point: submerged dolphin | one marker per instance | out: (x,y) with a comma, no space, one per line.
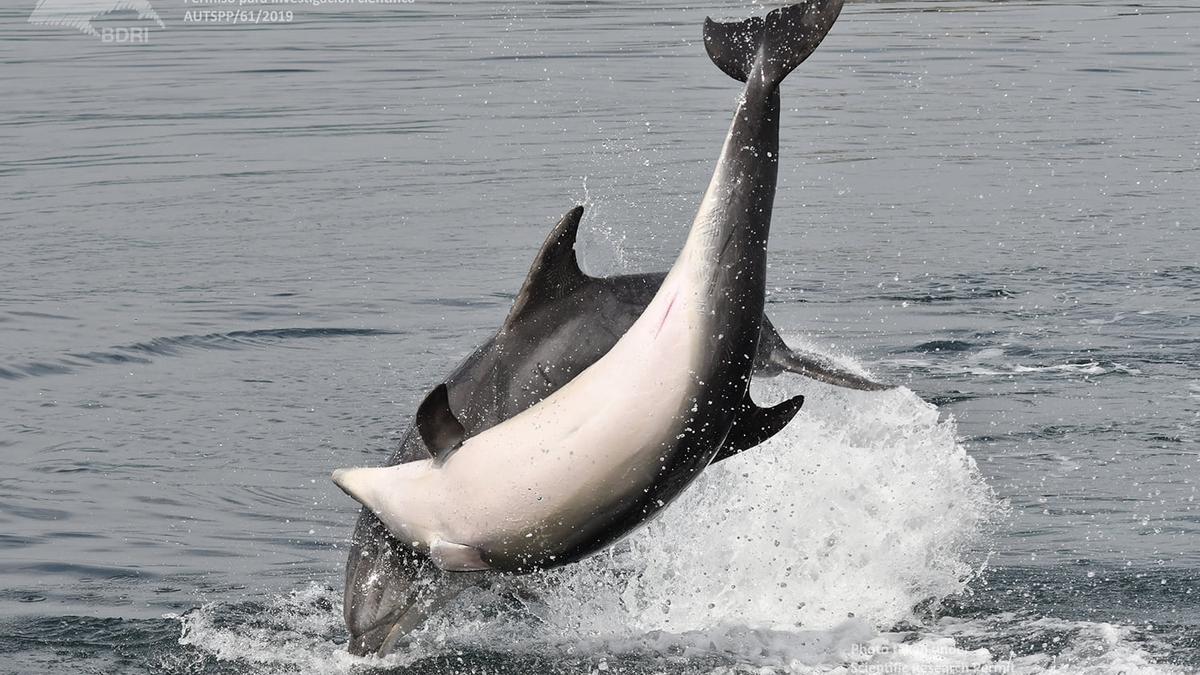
(706,318)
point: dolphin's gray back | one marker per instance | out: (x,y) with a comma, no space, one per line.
(528,360)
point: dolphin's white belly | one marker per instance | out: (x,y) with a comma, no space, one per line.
(598,438)
(524,488)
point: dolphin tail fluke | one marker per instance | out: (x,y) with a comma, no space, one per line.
(775,45)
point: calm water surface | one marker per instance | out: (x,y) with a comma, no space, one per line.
(236,257)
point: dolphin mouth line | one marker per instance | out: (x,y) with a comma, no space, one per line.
(363,645)
(391,638)
(390,620)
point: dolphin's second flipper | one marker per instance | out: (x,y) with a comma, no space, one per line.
(774,357)
(754,425)
(451,557)
(817,367)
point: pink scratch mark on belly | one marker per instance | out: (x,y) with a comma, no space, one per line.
(670,306)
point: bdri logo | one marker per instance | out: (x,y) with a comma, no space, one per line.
(79,14)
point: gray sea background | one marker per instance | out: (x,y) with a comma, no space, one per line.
(235,257)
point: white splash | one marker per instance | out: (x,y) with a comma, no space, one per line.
(800,556)
(863,507)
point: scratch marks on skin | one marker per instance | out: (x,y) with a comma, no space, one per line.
(670,306)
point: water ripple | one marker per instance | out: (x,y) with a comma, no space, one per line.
(141,352)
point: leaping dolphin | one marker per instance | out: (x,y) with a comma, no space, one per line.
(706,318)
(562,321)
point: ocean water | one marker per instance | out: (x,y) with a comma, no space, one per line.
(234,257)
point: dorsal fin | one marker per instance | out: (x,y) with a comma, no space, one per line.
(555,272)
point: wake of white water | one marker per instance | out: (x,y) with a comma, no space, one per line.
(864,506)
(1082,647)
(805,555)
(296,634)
(793,555)
(994,362)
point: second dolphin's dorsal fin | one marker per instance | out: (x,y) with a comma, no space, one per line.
(439,428)
(555,272)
